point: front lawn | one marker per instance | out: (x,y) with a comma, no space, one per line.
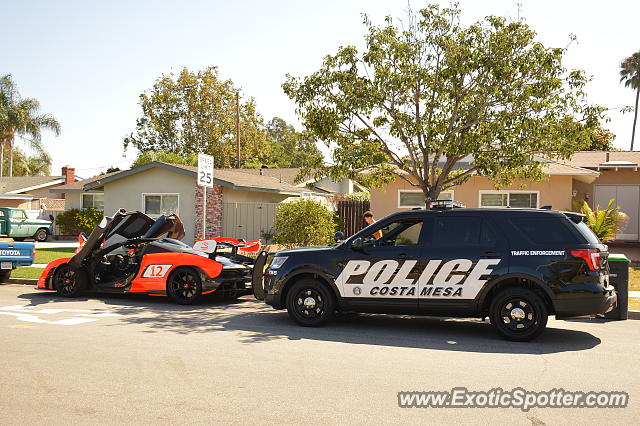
(27,272)
(47,254)
(634,279)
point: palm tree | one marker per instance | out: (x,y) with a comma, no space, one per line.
(21,117)
(630,74)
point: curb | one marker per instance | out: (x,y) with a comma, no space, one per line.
(634,315)
(25,281)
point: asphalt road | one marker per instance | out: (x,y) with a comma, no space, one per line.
(142,360)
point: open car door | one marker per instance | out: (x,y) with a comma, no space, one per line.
(127,225)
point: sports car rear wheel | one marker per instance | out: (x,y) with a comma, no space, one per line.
(184,286)
(69,281)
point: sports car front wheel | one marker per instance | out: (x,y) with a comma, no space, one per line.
(184,286)
(69,281)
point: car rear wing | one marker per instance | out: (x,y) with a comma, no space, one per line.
(257,279)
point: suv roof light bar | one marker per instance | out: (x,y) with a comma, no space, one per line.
(446,205)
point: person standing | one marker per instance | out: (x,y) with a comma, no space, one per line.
(368,217)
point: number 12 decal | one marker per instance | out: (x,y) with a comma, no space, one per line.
(156,271)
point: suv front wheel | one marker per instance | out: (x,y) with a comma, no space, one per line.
(518,314)
(310,303)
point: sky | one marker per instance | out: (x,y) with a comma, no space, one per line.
(88,61)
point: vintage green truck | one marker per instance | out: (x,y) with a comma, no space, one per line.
(14,223)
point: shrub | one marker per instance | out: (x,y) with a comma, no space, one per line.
(605,223)
(302,223)
(74,221)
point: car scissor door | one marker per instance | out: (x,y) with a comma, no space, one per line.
(379,272)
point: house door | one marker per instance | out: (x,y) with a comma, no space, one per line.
(628,200)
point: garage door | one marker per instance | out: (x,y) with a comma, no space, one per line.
(250,221)
(628,199)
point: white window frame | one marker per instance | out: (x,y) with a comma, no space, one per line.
(400,206)
(144,194)
(82,207)
(507,191)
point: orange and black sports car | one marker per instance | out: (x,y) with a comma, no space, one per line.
(133,253)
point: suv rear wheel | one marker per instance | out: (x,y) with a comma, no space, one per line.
(310,303)
(518,314)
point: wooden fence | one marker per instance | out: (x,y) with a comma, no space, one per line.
(350,212)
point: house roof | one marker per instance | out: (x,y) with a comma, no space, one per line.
(78,186)
(596,159)
(287,175)
(231,178)
(20,184)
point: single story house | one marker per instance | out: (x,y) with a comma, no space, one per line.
(239,205)
(321,186)
(618,178)
(593,176)
(34,192)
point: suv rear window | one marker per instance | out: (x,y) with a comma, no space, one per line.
(545,230)
(456,231)
(587,233)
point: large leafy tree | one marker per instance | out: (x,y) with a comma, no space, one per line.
(38,164)
(288,147)
(21,117)
(426,95)
(630,75)
(166,157)
(195,111)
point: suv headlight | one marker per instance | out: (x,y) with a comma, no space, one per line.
(277,262)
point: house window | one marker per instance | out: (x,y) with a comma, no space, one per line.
(412,198)
(95,201)
(157,204)
(509,199)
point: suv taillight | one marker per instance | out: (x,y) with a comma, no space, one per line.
(591,256)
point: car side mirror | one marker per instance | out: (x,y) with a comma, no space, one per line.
(338,236)
(357,244)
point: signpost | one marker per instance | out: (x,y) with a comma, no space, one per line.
(205,179)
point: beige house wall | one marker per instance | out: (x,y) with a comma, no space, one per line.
(230,195)
(44,193)
(127,193)
(555,191)
(16,204)
(607,177)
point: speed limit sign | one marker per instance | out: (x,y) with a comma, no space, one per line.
(205,170)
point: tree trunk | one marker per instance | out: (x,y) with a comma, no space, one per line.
(1,155)
(635,118)
(10,156)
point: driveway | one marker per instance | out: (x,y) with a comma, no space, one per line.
(139,359)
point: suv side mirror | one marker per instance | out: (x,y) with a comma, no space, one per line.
(357,244)
(338,236)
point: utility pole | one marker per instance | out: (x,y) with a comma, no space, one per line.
(238,125)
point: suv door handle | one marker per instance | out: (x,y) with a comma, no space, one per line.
(491,255)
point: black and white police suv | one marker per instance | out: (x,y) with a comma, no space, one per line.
(515,266)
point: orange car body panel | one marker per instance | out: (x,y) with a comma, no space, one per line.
(156,268)
(252,246)
(42,281)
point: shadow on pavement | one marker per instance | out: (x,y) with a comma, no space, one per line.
(258,322)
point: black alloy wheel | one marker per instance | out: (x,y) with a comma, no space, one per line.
(69,281)
(184,286)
